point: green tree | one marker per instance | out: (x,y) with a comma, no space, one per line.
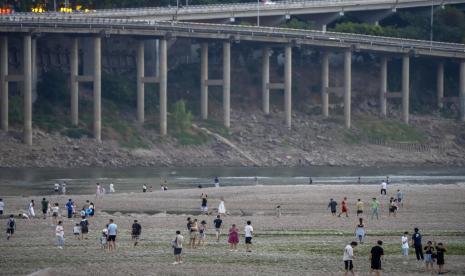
(182,117)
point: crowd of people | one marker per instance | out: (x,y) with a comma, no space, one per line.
(197,229)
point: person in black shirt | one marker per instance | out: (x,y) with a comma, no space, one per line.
(429,251)
(376,255)
(416,240)
(136,231)
(440,249)
(332,204)
(218,223)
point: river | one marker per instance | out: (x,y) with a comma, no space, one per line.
(39,181)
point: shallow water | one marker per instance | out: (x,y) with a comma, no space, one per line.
(28,181)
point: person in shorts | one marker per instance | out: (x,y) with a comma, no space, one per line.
(429,251)
(112,231)
(248,230)
(202,233)
(348,258)
(359,206)
(177,247)
(332,205)
(204,205)
(376,256)
(194,233)
(400,196)
(55,213)
(77,231)
(136,231)
(344,208)
(218,222)
(440,250)
(10,227)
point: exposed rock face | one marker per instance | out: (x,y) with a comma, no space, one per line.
(312,141)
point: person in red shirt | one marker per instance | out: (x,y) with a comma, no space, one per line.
(344,208)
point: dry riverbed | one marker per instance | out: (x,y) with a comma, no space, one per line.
(305,240)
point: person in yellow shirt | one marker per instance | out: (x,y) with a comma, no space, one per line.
(359,207)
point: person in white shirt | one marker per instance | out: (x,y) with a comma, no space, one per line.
(2,207)
(112,188)
(248,230)
(30,210)
(383,187)
(60,234)
(56,187)
(348,258)
(404,245)
(177,246)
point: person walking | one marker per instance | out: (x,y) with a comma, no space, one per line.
(202,233)
(60,234)
(69,208)
(248,230)
(30,209)
(332,205)
(84,224)
(233,238)
(400,197)
(98,191)
(112,188)
(2,207)
(177,246)
(63,188)
(383,187)
(44,205)
(136,231)
(374,208)
(217,182)
(360,231)
(55,213)
(112,232)
(204,205)
(10,227)
(416,241)
(348,258)
(221,207)
(359,207)
(344,208)
(376,256)
(218,222)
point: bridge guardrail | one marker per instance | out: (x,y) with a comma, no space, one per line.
(244,30)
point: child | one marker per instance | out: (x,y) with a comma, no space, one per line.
(429,251)
(77,231)
(60,234)
(10,227)
(103,238)
(440,249)
(405,246)
(203,232)
(84,227)
(55,213)
(233,238)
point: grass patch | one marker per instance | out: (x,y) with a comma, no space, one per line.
(191,137)
(373,129)
(124,132)
(216,126)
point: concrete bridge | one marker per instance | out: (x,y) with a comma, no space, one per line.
(32,28)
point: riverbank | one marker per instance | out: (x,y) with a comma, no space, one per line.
(305,240)
(255,140)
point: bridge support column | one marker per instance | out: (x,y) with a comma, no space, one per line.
(288,85)
(74,62)
(383,87)
(34,66)
(4,82)
(203,80)
(163,86)
(227,83)
(462,90)
(97,89)
(266,80)
(27,85)
(140,83)
(347,86)
(405,88)
(325,84)
(440,84)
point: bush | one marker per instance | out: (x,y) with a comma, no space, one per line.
(182,117)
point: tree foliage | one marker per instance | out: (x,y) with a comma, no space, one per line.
(182,117)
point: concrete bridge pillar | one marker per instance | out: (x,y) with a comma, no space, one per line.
(34,66)
(383,87)
(97,89)
(405,88)
(325,84)
(140,83)
(288,85)
(4,82)
(203,80)
(347,86)
(440,83)
(27,86)
(227,83)
(462,91)
(266,80)
(74,63)
(163,86)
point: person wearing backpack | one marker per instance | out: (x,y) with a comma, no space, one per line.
(10,227)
